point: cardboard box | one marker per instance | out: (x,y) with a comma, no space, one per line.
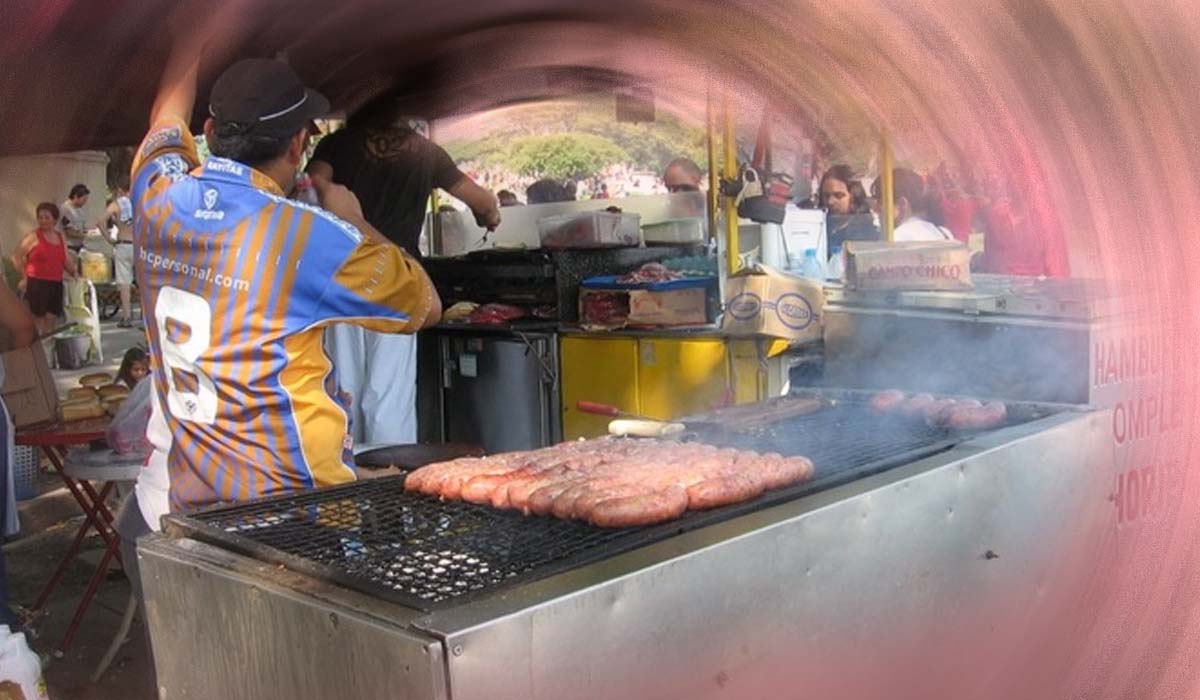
(765,301)
(646,307)
(909,266)
(29,390)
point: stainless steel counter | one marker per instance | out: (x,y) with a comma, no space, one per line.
(955,562)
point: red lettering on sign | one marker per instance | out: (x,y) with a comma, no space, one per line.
(950,272)
(1141,493)
(1139,418)
(1124,359)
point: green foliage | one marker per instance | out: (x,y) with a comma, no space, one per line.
(484,150)
(570,156)
(590,122)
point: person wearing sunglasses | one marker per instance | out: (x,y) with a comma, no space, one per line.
(682,175)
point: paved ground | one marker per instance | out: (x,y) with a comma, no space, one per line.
(48,524)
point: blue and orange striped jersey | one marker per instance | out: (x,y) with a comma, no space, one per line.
(237,284)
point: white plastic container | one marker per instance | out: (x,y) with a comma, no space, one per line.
(20,668)
(836,270)
(592,229)
(675,231)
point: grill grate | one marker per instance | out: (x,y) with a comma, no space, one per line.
(374,537)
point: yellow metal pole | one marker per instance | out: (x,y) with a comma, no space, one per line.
(435,221)
(714,176)
(887,207)
(731,172)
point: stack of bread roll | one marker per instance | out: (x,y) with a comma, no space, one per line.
(96,397)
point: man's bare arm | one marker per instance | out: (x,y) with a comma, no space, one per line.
(482,202)
(197,27)
(177,89)
(16,318)
(320,169)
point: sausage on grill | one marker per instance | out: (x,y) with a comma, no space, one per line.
(612,483)
(886,401)
(914,406)
(976,417)
(634,511)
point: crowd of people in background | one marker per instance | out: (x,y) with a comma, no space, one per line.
(1019,237)
(619,180)
(944,205)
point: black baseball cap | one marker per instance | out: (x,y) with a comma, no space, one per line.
(264,96)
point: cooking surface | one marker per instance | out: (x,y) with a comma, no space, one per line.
(374,537)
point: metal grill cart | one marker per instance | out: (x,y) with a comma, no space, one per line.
(1011,337)
(366,591)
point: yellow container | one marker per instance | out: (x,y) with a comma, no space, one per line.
(95,266)
(656,376)
(600,369)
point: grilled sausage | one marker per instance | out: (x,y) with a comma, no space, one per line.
(886,401)
(937,413)
(968,417)
(994,415)
(914,406)
(787,471)
(634,511)
(612,483)
(723,491)
(541,502)
(479,489)
(583,506)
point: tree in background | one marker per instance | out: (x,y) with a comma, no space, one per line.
(569,156)
(647,146)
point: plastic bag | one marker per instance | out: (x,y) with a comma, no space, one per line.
(127,431)
(20,668)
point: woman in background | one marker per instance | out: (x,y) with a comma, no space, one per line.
(43,261)
(847,208)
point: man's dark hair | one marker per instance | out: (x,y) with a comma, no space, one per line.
(231,141)
(687,165)
(78,191)
(381,112)
(911,186)
(546,190)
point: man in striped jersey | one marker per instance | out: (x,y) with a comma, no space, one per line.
(238,284)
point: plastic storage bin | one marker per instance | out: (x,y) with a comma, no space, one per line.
(71,350)
(593,229)
(25,465)
(675,231)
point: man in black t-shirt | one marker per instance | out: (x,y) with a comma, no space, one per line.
(392,170)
